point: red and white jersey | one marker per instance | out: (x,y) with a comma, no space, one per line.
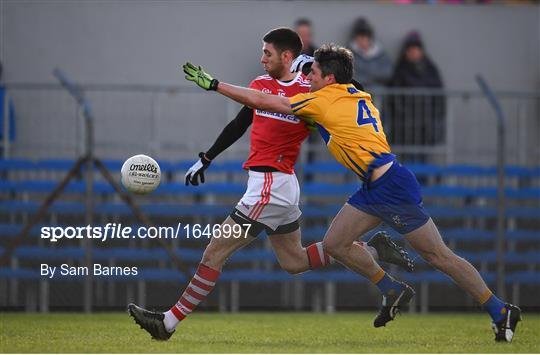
(276,137)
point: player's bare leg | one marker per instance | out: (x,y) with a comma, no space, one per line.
(339,243)
(162,325)
(290,253)
(220,249)
(339,240)
(295,259)
(427,241)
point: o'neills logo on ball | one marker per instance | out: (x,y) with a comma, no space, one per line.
(143,167)
(140,174)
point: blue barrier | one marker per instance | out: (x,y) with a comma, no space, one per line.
(17,165)
(19,274)
(438,277)
(310,189)
(468,235)
(170,275)
(161,275)
(523,277)
(235,189)
(55,164)
(40,253)
(333,275)
(324,167)
(245,255)
(235,166)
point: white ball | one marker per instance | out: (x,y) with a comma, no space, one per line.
(141,174)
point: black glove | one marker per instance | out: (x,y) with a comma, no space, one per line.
(197,170)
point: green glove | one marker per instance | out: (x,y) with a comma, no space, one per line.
(310,124)
(311,127)
(200,77)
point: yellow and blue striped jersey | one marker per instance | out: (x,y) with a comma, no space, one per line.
(349,124)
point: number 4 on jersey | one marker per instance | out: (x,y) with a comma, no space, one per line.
(364,115)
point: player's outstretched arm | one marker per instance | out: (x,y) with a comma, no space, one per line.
(256,99)
(249,97)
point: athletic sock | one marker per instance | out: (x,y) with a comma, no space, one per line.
(317,257)
(198,289)
(386,283)
(494,306)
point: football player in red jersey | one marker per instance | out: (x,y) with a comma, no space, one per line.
(271,200)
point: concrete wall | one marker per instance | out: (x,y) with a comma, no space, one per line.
(145,42)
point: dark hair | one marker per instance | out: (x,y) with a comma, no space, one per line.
(302,21)
(335,60)
(361,27)
(284,39)
(413,39)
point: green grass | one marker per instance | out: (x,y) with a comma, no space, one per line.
(264,333)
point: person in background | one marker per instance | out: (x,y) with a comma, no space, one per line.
(372,66)
(416,119)
(305,30)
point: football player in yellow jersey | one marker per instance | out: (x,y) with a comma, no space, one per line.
(352,130)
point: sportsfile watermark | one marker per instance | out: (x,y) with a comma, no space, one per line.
(111,231)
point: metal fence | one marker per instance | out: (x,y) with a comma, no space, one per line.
(174,122)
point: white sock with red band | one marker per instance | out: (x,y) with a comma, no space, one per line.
(317,257)
(198,289)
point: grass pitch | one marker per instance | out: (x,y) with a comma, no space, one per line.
(264,333)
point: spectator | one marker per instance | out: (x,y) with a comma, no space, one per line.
(11,115)
(305,31)
(372,66)
(414,68)
(416,119)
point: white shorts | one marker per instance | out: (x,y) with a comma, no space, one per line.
(271,199)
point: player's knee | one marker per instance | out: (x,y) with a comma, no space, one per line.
(440,259)
(213,258)
(334,248)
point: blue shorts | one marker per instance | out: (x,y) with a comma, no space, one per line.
(395,198)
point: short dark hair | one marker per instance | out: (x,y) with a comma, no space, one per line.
(284,39)
(302,21)
(362,27)
(335,60)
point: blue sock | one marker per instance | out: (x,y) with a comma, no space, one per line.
(495,307)
(388,285)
